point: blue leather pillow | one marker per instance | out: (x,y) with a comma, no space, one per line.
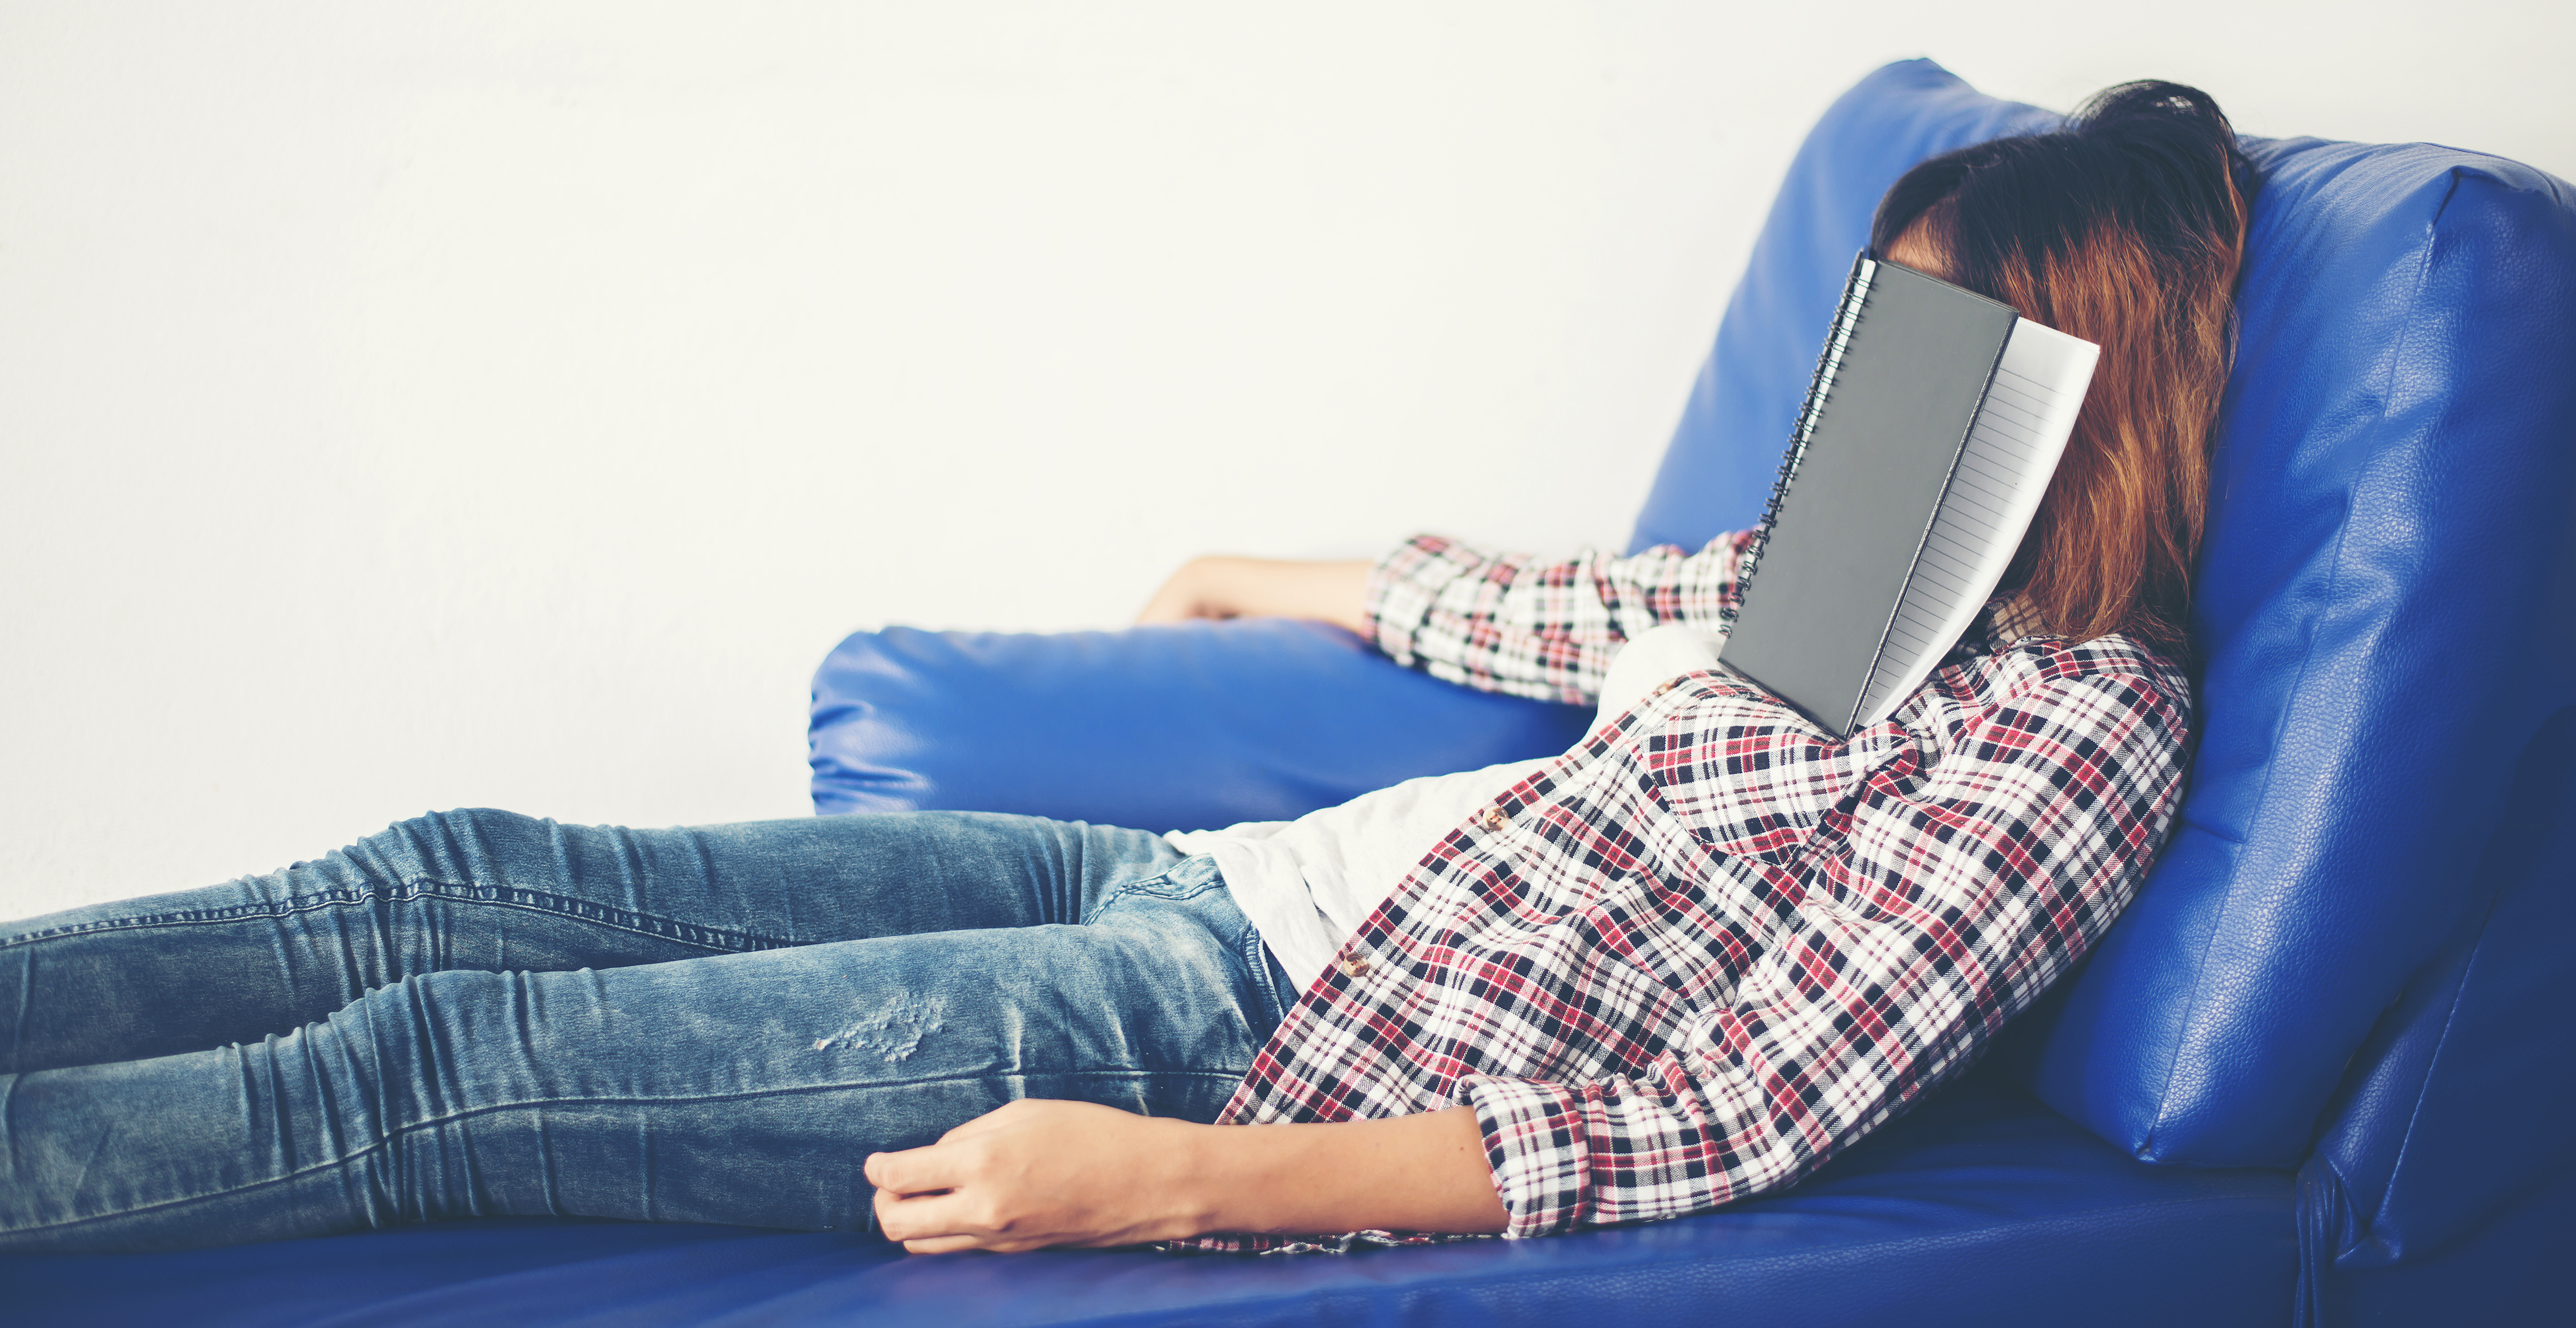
(2386,553)
(1162,728)
(1719,467)
(2379,598)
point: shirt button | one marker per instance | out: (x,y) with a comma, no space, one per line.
(1352,965)
(1667,685)
(1492,818)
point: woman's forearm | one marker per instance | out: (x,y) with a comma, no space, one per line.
(1036,1173)
(1411,1173)
(1228,587)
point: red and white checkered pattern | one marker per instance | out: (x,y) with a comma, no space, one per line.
(1710,947)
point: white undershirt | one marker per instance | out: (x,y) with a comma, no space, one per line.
(1309,883)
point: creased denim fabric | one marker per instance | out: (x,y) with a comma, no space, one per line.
(478,1013)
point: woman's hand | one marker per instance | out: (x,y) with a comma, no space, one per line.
(1221,587)
(1037,1173)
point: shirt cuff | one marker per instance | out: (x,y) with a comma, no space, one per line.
(1538,1143)
(1403,587)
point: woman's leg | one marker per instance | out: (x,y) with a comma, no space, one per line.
(742,1088)
(497,892)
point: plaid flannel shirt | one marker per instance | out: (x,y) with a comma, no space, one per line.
(1711,946)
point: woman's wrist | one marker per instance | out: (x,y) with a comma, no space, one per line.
(1234,1180)
(1423,1173)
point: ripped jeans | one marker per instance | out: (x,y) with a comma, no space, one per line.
(480,1013)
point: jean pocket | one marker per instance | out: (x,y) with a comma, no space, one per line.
(1186,881)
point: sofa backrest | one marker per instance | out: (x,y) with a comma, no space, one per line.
(1719,467)
(2382,601)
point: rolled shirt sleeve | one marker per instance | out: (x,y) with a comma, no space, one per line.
(1511,623)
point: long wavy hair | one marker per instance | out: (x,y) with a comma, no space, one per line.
(2125,227)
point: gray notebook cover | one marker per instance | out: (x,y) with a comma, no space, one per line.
(1905,369)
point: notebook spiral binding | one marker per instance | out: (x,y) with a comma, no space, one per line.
(1819,389)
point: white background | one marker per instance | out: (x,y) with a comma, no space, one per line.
(409,406)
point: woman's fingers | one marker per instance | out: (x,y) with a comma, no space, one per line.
(1036,1173)
(934,1218)
(942,1245)
(1225,587)
(951,1220)
(912,1171)
(934,1168)
(1180,598)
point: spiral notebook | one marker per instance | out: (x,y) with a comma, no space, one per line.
(1929,434)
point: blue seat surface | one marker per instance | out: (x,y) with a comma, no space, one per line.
(1981,1207)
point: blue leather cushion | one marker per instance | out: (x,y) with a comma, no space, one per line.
(2433,1189)
(1162,728)
(2390,516)
(2390,524)
(1982,1208)
(1719,467)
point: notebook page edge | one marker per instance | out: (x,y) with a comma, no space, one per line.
(2064,364)
(1860,706)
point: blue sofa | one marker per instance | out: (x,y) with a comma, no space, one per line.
(2316,1075)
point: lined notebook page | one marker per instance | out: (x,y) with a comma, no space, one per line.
(2004,470)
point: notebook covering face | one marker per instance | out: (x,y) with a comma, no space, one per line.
(1935,421)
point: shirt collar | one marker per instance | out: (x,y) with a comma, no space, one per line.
(2004,620)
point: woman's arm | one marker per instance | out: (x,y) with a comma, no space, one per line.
(1495,622)
(1039,1173)
(1223,587)
(1540,628)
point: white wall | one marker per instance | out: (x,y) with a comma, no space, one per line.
(413,406)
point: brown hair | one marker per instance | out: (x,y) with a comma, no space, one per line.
(2126,227)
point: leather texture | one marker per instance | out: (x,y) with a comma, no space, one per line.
(2508,1274)
(2390,519)
(1185,727)
(1982,1207)
(2434,1192)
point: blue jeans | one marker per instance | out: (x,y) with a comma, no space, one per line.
(478,1013)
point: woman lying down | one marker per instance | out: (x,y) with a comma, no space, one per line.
(1685,962)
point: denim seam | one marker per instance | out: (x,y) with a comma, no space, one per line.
(416,1127)
(1256,962)
(1151,887)
(433,888)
